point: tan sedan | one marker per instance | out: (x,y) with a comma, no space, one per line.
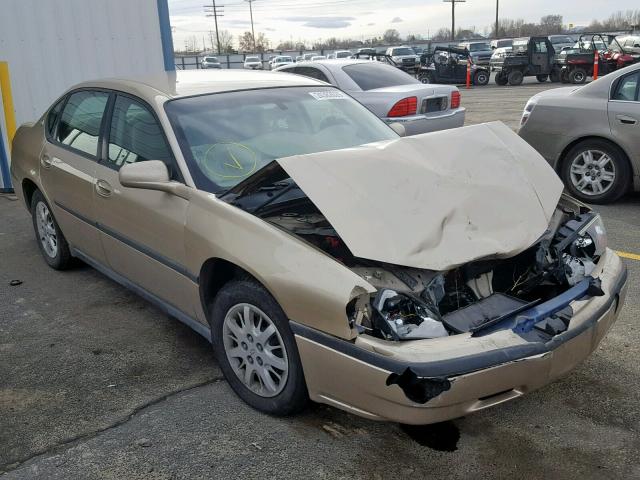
(410,279)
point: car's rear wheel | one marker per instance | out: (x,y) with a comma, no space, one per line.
(515,78)
(481,78)
(564,76)
(256,349)
(542,78)
(501,79)
(596,171)
(578,76)
(51,241)
(426,77)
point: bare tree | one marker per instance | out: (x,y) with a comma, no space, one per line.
(245,42)
(391,36)
(226,41)
(551,24)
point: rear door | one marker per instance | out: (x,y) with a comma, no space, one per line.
(68,165)
(624,114)
(142,231)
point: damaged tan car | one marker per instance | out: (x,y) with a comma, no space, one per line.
(411,279)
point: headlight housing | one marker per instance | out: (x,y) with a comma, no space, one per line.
(596,233)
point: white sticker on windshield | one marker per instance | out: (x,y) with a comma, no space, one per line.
(328,95)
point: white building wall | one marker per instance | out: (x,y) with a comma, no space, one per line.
(51,45)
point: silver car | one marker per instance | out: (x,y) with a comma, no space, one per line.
(590,134)
(211,62)
(390,93)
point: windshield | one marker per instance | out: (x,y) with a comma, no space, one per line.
(556,39)
(227,137)
(369,76)
(402,51)
(211,59)
(252,59)
(479,47)
(283,59)
(343,54)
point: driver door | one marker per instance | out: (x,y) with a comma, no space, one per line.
(540,57)
(142,231)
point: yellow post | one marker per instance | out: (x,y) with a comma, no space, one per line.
(7,101)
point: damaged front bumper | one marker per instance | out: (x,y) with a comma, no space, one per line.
(429,381)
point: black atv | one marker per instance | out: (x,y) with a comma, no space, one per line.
(449,65)
(529,57)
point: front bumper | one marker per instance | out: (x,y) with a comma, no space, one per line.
(430,122)
(355,379)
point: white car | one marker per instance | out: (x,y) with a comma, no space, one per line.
(405,57)
(390,93)
(342,54)
(253,63)
(280,60)
(498,55)
(210,62)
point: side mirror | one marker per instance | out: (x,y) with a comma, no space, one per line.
(398,128)
(151,175)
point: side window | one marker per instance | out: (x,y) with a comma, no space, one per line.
(80,122)
(313,73)
(540,47)
(627,88)
(135,135)
(52,118)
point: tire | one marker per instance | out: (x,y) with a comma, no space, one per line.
(564,76)
(555,75)
(51,242)
(515,78)
(287,392)
(542,78)
(426,78)
(575,172)
(501,79)
(481,78)
(578,76)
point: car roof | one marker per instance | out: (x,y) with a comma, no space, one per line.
(184,83)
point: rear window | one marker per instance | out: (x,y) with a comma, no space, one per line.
(369,76)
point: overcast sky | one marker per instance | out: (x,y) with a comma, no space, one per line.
(320,19)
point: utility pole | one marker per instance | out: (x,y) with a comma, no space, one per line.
(253,34)
(497,24)
(453,16)
(212,11)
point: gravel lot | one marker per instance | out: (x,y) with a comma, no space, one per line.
(97,383)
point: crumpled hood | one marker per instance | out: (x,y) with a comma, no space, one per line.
(436,200)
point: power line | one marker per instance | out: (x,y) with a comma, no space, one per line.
(212,11)
(453,16)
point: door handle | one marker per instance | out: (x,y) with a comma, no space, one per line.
(626,120)
(103,188)
(46,161)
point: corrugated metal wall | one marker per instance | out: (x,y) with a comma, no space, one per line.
(52,44)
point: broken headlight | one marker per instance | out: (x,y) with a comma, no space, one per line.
(399,316)
(593,238)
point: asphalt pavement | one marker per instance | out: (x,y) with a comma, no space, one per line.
(97,383)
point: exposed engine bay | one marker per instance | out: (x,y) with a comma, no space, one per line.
(412,303)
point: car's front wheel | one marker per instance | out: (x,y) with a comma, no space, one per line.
(481,78)
(256,349)
(501,79)
(51,241)
(515,78)
(596,171)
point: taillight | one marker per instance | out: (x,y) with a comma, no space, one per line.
(455,99)
(406,106)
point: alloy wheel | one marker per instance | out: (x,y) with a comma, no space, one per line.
(255,350)
(592,172)
(46,230)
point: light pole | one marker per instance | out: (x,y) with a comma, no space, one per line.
(453,16)
(253,34)
(497,24)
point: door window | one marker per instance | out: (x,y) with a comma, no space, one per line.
(540,47)
(81,119)
(135,135)
(627,88)
(52,118)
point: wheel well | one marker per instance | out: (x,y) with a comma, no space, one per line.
(214,274)
(567,149)
(28,189)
